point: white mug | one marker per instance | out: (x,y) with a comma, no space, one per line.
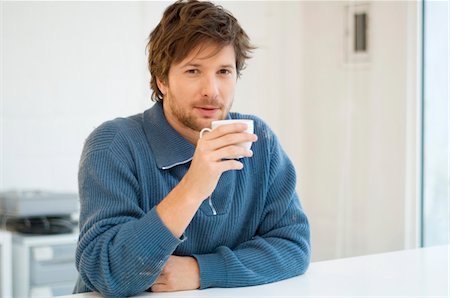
(217,123)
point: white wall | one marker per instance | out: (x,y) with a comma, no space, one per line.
(350,130)
(67,67)
(354,121)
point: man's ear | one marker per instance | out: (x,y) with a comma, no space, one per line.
(162,86)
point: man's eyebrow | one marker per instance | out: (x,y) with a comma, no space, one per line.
(228,66)
(189,64)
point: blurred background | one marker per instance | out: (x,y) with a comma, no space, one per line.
(357,92)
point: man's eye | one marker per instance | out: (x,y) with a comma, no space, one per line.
(225,71)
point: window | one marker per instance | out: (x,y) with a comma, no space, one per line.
(435,158)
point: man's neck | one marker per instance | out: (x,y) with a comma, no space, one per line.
(188,133)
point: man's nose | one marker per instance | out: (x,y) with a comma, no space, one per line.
(210,87)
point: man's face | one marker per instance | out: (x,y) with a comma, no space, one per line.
(200,89)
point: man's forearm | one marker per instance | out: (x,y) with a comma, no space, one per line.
(178,208)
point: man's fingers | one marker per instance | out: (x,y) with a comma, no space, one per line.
(158,288)
(233,139)
(227,140)
(224,130)
(180,273)
(231,164)
(231,152)
(159,285)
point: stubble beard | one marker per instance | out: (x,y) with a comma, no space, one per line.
(192,122)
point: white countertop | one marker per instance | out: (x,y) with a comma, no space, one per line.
(409,273)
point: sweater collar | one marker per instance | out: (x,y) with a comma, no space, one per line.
(169,147)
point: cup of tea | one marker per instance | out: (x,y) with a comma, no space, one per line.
(217,123)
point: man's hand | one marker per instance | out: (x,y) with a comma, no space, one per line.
(179,274)
(208,162)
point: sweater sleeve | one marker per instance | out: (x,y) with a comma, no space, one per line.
(281,247)
(121,250)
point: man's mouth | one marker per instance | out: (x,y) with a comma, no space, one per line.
(208,111)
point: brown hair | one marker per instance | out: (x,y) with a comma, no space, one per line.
(184,26)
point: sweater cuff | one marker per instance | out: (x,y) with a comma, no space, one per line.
(212,270)
(156,230)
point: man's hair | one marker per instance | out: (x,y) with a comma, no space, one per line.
(184,26)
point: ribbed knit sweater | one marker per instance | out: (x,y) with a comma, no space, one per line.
(252,230)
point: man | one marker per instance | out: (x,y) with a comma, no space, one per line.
(163,210)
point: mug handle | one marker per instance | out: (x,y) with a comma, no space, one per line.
(203,130)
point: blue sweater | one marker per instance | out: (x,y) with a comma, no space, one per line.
(251,231)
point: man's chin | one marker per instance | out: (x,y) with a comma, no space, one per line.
(205,123)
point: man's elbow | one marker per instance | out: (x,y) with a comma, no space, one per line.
(304,257)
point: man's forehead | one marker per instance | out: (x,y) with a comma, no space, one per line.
(205,51)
